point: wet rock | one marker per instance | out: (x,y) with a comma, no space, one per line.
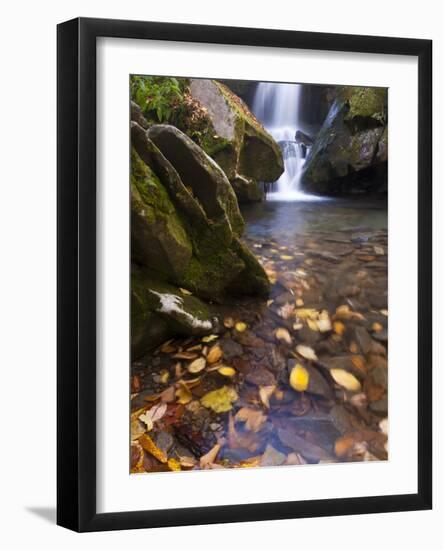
(310,451)
(381,336)
(354,364)
(230,348)
(317,383)
(324,256)
(380,406)
(272,457)
(363,339)
(341,419)
(164,441)
(260,376)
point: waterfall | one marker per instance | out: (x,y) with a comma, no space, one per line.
(277,106)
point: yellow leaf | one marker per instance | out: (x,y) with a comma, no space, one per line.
(283,334)
(286,257)
(185,291)
(345,379)
(307,313)
(377,327)
(164,376)
(214,355)
(220,400)
(174,465)
(306,352)
(240,327)
(197,365)
(324,325)
(312,325)
(299,378)
(299,302)
(137,429)
(339,327)
(209,338)
(297,326)
(228,322)
(183,394)
(226,371)
(148,445)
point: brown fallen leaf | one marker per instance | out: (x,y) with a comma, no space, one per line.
(167,395)
(253,419)
(208,459)
(185,355)
(228,322)
(210,338)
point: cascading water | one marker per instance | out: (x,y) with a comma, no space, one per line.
(277,106)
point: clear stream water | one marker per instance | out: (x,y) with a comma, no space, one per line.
(280,220)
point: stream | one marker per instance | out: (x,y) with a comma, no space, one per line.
(300,378)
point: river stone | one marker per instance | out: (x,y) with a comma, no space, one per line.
(272,457)
(159,311)
(317,383)
(164,441)
(260,376)
(310,451)
(230,348)
(363,339)
(344,362)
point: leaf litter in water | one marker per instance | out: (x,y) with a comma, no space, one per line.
(306,352)
(253,418)
(214,355)
(299,378)
(345,379)
(197,365)
(282,334)
(220,400)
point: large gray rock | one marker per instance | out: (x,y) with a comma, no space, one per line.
(184,235)
(349,154)
(235,139)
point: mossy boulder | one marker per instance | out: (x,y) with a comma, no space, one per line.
(247,189)
(159,239)
(160,310)
(202,175)
(349,154)
(234,138)
(185,234)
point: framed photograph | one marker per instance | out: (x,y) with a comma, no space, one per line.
(241,214)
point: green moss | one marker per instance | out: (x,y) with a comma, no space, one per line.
(365,101)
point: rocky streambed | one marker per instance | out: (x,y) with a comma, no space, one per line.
(299,377)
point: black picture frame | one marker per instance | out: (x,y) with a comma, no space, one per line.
(76,265)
